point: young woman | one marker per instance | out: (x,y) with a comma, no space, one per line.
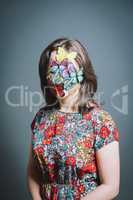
(74,151)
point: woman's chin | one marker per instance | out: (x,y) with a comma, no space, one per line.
(62,95)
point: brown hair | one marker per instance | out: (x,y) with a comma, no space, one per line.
(89,83)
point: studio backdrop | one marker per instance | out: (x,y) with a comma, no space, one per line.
(105,28)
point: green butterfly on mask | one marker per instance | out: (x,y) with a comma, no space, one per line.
(78,76)
(55,75)
(68,81)
(73,79)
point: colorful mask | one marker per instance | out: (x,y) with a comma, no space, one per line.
(62,73)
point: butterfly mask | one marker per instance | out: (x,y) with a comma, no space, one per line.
(62,74)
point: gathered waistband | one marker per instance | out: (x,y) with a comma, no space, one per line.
(57,184)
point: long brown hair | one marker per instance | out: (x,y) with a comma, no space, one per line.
(89,83)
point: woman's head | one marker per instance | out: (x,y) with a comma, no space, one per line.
(64,68)
(63,72)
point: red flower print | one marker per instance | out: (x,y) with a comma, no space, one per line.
(51,165)
(50,131)
(87,143)
(94,123)
(61,119)
(59,128)
(104,132)
(39,150)
(81,188)
(81,173)
(70,161)
(54,188)
(46,141)
(87,116)
(52,176)
(54,196)
(116,134)
(91,168)
(41,126)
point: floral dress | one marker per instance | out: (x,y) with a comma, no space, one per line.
(64,149)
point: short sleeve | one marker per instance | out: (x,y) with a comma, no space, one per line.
(35,121)
(35,126)
(106,130)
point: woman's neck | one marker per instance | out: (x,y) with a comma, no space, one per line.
(70,102)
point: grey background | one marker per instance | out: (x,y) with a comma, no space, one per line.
(105,28)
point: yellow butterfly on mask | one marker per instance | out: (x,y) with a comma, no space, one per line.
(62,54)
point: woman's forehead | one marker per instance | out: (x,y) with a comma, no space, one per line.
(53,57)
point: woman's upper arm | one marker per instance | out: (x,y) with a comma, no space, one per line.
(107,149)
(108,162)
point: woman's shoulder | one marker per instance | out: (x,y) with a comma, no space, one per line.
(102,116)
(105,128)
(39,115)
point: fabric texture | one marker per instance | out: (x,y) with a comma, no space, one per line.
(64,148)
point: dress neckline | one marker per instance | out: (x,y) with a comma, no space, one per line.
(68,113)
